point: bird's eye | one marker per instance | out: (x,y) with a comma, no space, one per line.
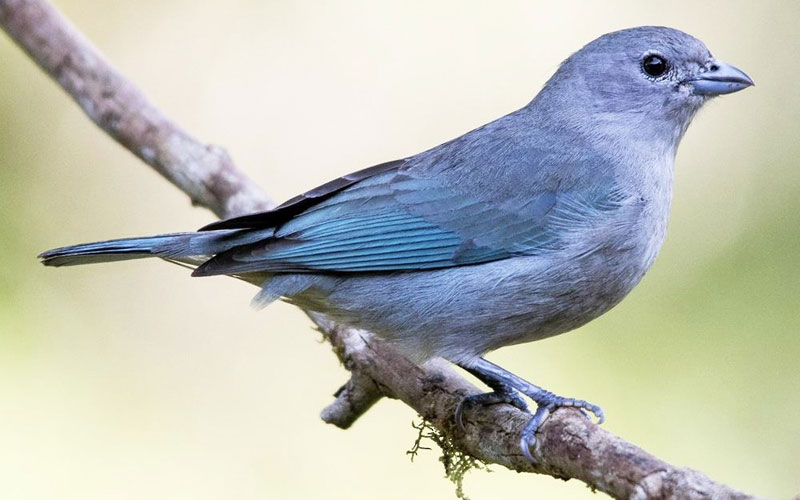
(655,65)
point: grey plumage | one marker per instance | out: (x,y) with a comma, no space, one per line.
(527,227)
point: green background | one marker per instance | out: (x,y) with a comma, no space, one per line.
(134,381)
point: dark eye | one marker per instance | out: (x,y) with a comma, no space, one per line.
(655,65)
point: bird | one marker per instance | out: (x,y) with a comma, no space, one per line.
(524,228)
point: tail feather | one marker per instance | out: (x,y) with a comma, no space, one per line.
(176,246)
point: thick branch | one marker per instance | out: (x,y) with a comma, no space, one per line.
(569,446)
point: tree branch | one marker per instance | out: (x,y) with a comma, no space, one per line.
(204,172)
(568,445)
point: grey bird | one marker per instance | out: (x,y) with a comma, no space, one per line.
(524,228)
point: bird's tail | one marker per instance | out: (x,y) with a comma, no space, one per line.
(180,247)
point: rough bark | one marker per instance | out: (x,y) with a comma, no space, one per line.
(568,444)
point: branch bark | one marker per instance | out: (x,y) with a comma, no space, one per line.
(568,445)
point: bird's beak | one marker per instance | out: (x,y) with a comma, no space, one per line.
(719,78)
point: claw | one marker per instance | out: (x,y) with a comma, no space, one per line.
(460,413)
(528,437)
(600,414)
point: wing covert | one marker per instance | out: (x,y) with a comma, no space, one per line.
(395,221)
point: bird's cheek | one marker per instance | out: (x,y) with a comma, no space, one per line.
(684,90)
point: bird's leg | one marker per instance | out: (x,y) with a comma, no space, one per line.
(501,393)
(504,383)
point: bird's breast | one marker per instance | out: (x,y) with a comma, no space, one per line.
(625,243)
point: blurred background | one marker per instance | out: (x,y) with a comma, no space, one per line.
(135,381)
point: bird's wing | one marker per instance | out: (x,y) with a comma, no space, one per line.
(394,218)
(294,206)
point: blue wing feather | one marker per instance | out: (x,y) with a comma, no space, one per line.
(380,228)
(431,211)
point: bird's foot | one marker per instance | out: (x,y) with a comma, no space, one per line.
(502,394)
(507,389)
(547,403)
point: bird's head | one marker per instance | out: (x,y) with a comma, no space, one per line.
(649,79)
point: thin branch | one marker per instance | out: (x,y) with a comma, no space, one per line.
(204,172)
(568,445)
